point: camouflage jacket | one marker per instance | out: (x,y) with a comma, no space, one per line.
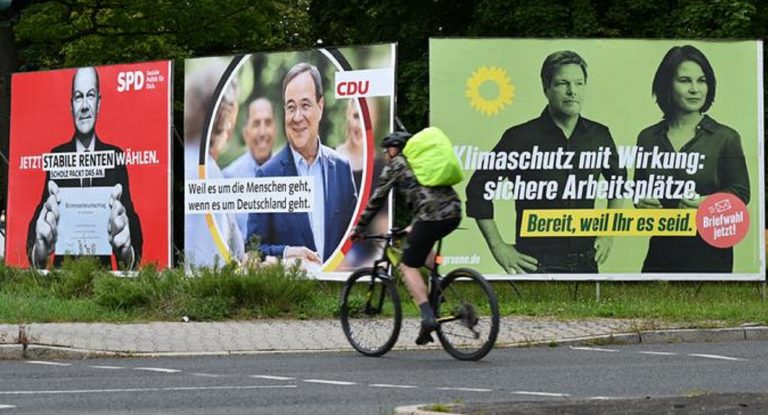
(426,203)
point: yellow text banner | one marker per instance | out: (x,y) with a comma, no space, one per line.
(608,222)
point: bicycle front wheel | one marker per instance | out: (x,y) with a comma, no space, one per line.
(370,312)
(468,313)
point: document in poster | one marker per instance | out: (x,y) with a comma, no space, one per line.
(83,219)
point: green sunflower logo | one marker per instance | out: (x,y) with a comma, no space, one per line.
(489,90)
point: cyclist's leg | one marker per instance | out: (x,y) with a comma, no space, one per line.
(414,282)
(430,261)
(418,247)
(418,291)
(448,226)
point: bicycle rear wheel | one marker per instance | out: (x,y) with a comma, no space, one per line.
(370,312)
(469,315)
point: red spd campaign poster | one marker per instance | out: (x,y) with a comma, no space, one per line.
(89,171)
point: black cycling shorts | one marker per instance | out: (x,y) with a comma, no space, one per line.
(422,238)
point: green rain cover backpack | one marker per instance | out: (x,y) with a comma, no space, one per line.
(432,159)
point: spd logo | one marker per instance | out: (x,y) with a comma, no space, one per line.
(133,80)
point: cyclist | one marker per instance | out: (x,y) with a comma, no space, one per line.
(436,213)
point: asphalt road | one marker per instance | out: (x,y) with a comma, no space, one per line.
(347,383)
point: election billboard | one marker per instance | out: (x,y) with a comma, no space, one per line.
(280,156)
(90,166)
(601,159)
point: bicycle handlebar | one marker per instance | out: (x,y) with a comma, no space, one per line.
(393,233)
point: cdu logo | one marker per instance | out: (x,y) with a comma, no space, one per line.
(364,83)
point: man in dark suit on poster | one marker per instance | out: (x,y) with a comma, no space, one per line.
(311,236)
(123,227)
(561,126)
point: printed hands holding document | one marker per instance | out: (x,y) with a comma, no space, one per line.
(46,226)
(118,229)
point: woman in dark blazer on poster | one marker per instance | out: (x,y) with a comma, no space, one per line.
(684,87)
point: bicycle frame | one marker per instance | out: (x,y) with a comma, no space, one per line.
(391,255)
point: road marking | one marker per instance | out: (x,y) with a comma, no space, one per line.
(558,395)
(716,356)
(205,375)
(169,389)
(268,377)
(40,362)
(109,367)
(385,385)
(157,369)
(464,389)
(329,382)
(593,349)
(7,406)
(660,353)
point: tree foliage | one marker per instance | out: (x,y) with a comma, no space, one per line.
(409,23)
(68,33)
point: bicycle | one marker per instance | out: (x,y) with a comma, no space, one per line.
(464,304)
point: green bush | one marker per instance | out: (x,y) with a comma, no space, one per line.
(76,276)
(119,293)
(276,290)
(207,308)
(207,294)
(265,291)
(20,281)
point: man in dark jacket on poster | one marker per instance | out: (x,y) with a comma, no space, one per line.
(123,228)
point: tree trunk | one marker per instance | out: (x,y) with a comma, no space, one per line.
(8,64)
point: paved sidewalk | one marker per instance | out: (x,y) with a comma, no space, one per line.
(271,335)
(170,338)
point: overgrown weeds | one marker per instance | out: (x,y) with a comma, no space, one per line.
(205,294)
(82,291)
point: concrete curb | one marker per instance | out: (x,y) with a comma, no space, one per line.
(46,352)
(708,403)
(11,351)
(658,337)
(706,336)
(756,333)
(43,352)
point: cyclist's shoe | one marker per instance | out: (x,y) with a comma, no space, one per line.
(425,334)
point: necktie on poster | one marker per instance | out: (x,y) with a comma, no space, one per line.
(83,220)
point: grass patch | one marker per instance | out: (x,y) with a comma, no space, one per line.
(82,291)
(709,304)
